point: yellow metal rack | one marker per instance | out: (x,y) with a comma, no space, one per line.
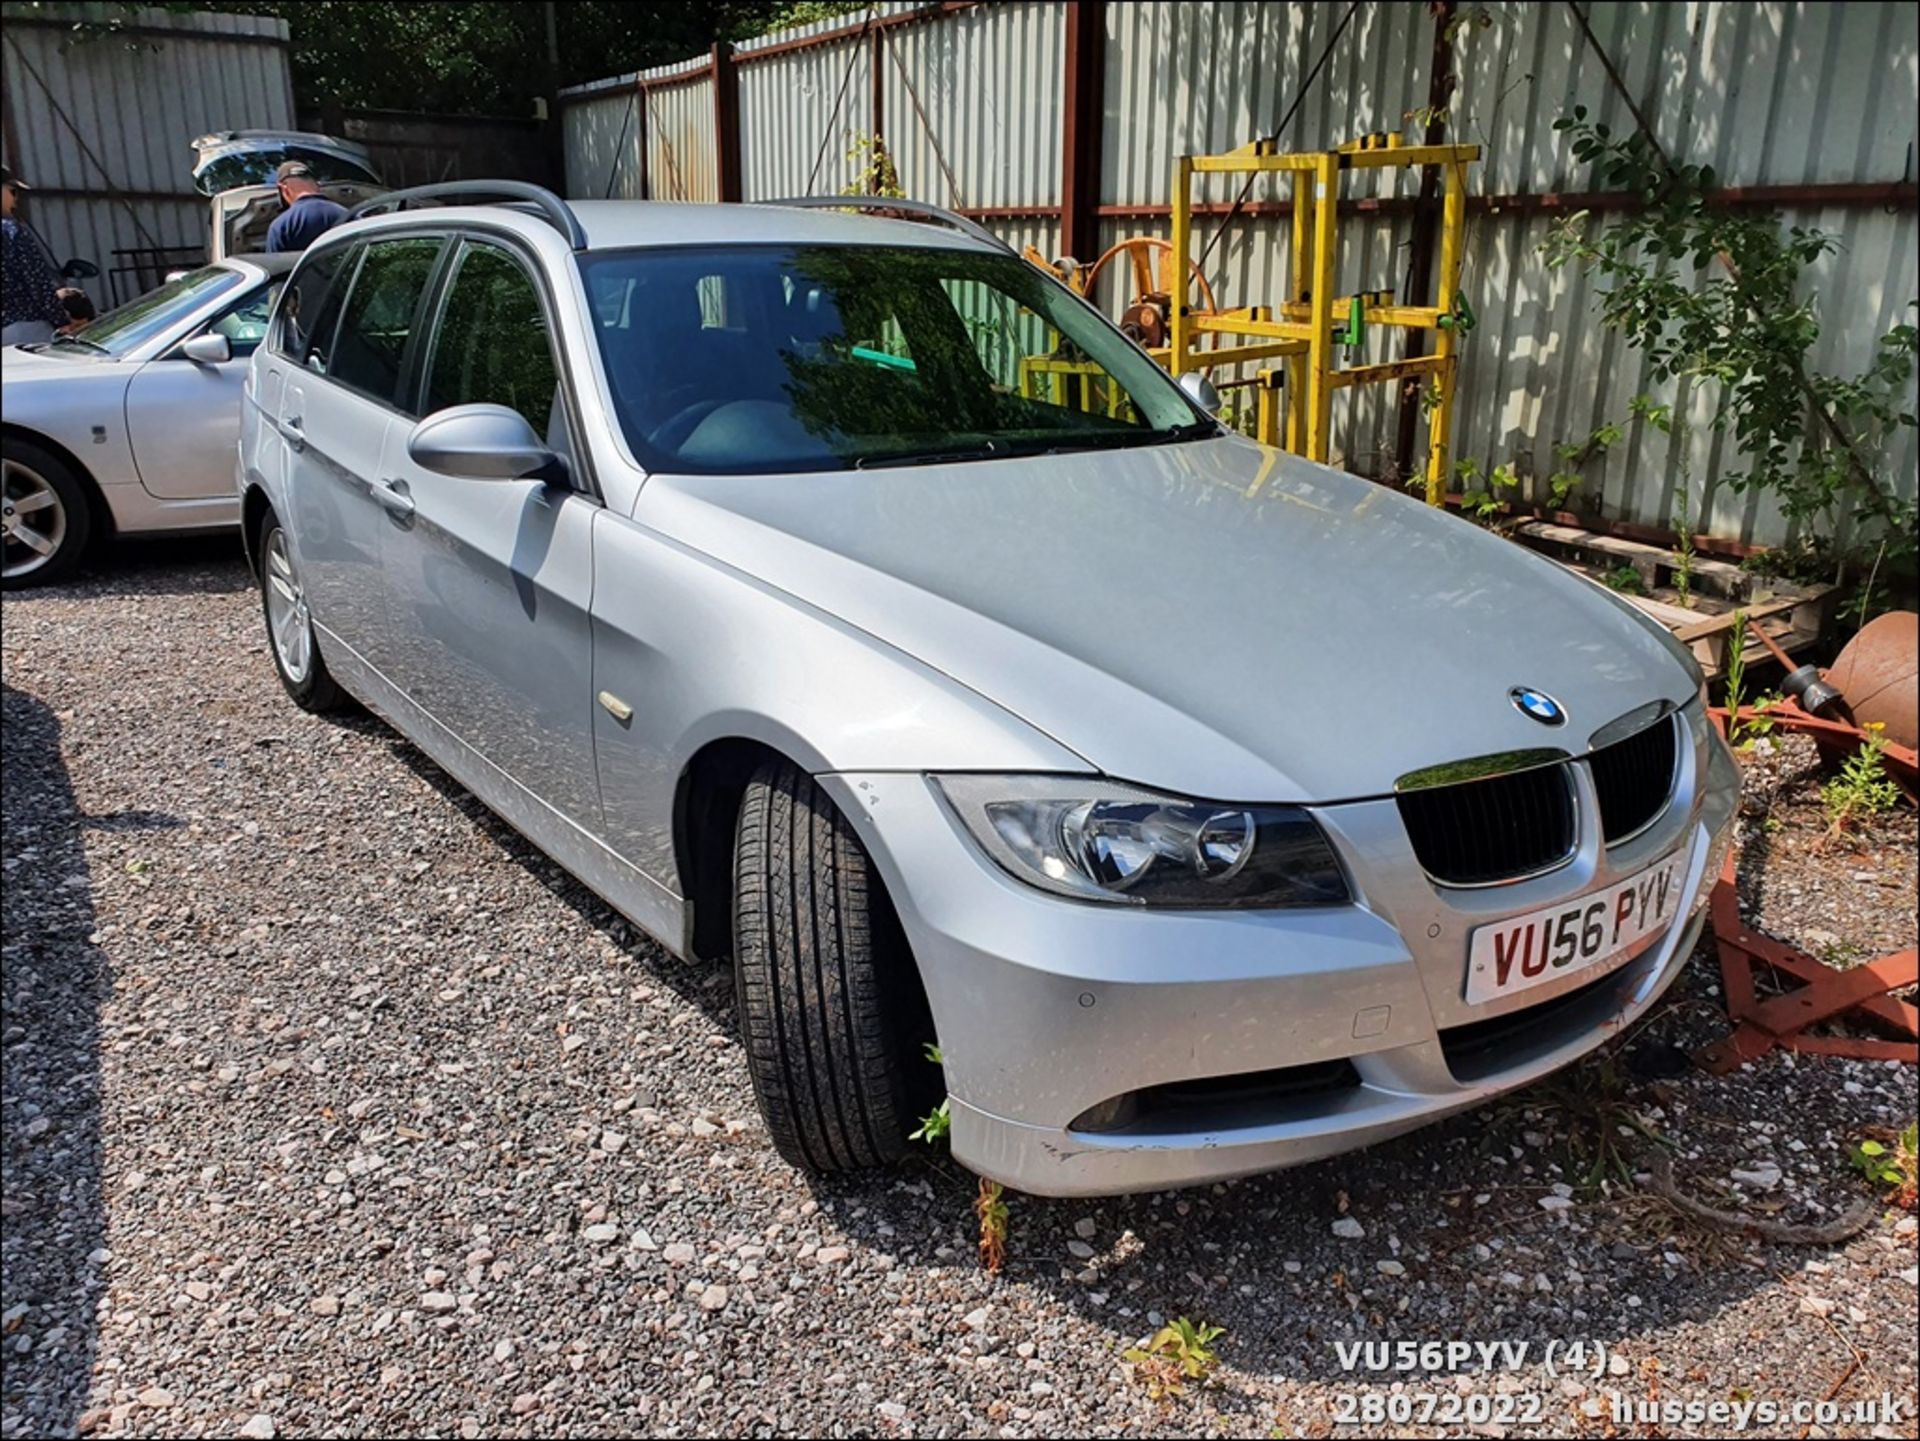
(1305,329)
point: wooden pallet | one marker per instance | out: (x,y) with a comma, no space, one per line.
(1793,616)
(1654,566)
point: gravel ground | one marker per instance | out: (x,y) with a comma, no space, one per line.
(1845,899)
(330,1107)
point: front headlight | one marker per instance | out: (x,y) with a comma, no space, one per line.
(1101,842)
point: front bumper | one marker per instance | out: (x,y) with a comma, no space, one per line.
(1048,1008)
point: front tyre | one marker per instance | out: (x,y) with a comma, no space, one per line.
(44,516)
(830,1004)
(296,650)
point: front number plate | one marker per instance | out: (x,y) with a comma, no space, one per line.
(1522,952)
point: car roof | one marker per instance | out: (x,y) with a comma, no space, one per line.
(623,224)
(274,264)
(612,224)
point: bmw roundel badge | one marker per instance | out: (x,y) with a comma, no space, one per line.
(1538,704)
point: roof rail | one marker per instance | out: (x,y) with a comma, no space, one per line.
(552,208)
(908,209)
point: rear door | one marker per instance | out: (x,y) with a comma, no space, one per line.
(492,580)
(184,417)
(339,412)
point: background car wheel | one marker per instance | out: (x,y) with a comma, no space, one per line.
(830,1003)
(44,518)
(296,650)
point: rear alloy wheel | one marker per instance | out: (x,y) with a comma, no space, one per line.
(296,653)
(44,518)
(830,1004)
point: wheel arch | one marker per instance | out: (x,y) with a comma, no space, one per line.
(97,507)
(254,508)
(706,810)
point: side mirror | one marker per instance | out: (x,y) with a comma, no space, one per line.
(481,442)
(210,348)
(1197,388)
(79,270)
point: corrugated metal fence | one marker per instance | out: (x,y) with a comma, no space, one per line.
(1805,106)
(102,124)
(646,135)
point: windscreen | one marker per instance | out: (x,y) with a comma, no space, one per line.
(803,358)
(127,327)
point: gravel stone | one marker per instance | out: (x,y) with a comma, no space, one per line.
(302,1020)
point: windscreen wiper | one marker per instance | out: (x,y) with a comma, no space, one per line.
(1123,439)
(986,450)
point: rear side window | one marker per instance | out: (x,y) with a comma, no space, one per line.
(492,342)
(380,314)
(312,306)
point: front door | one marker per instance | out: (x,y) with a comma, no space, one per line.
(340,419)
(492,580)
(184,417)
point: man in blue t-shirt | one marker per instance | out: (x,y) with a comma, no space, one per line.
(309,214)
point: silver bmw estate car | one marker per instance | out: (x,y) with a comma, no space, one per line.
(841,596)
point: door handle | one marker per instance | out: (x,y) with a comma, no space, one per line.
(296,437)
(392,496)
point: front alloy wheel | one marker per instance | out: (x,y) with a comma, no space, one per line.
(43,517)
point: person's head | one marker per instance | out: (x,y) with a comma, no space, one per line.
(9,191)
(294,180)
(78,305)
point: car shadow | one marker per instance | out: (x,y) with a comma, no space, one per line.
(1258,1256)
(160,565)
(55,979)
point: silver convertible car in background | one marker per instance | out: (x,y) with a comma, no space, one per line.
(128,426)
(1214,811)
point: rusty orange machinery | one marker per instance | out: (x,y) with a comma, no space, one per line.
(1315,322)
(1807,991)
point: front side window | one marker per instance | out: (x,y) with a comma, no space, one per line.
(127,327)
(245,326)
(380,313)
(798,358)
(491,344)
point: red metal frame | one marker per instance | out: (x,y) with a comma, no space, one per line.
(726,122)
(1903,762)
(1823,992)
(1083,128)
